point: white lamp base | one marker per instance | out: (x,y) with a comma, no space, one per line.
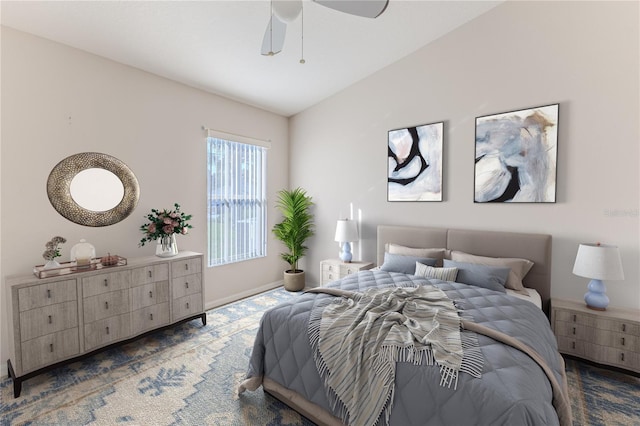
(596,297)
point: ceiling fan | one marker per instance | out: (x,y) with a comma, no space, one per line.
(286,11)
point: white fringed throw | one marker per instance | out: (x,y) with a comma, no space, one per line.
(360,339)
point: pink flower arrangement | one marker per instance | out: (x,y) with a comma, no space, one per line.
(164,223)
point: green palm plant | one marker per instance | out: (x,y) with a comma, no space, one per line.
(296,226)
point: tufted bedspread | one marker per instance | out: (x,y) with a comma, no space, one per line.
(513,389)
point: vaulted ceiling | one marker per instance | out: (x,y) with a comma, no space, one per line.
(215,45)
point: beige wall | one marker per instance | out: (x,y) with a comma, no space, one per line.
(58,101)
(583,55)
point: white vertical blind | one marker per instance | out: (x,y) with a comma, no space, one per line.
(237,201)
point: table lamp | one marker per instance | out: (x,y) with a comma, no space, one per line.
(598,262)
(346,232)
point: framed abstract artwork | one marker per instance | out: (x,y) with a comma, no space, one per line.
(415,163)
(516,155)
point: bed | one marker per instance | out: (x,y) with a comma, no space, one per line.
(519,380)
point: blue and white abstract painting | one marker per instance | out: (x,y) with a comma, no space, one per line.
(516,155)
(415,163)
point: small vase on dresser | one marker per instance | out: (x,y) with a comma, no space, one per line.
(167,246)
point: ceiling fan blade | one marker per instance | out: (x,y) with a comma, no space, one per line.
(364,8)
(273,39)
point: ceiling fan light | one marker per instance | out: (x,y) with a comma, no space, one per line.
(287,10)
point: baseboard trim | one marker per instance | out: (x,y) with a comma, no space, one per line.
(242,295)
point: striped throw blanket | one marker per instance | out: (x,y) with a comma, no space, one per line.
(358,339)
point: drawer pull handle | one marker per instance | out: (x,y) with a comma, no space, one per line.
(186,266)
(107,330)
(330,276)
(151,294)
(49,294)
(624,327)
(150,274)
(331,268)
(50,347)
(573,345)
(574,317)
(186,284)
(622,356)
(106,305)
(574,330)
(151,317)
(187,305)
(51,321)
(106,282)
(349,271)
(623,341)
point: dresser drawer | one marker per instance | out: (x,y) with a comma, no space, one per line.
(49,319)
(187,306)
(51,293)
(149,274)
(102,332)
(150,317)
(149,294)
(180,268)
(105,305)
(627,327)
(46,350)
(104,283)
(190,284)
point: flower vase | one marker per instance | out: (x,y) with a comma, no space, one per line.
(167,246)
(51,264)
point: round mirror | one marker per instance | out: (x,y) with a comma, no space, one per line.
(93,189)
(97,190)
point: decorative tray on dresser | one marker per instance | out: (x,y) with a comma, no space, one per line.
(60,319)
(610,337)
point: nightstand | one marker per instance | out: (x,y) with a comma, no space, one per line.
(333,269)
(610,337)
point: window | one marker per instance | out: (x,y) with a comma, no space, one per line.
(237,201)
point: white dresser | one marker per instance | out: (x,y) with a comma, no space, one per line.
(59,319)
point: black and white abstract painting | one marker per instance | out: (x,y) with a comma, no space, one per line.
(516,155)
(415,163)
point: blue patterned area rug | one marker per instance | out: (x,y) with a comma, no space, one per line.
(188,375)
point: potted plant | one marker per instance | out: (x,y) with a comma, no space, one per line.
(293,231)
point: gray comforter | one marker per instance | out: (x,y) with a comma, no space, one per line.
(513,389)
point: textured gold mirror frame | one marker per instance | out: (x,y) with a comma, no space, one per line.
(59,183)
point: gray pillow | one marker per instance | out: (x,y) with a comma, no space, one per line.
(404,264)
(491,277)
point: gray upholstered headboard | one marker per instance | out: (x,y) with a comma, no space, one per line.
(535,247)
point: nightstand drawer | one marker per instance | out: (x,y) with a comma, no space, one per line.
(622,358)
(576,318)
(570,329)
(571,346)
(328,276)
(617,340)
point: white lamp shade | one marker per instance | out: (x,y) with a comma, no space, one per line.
(598,261)
(346,231)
